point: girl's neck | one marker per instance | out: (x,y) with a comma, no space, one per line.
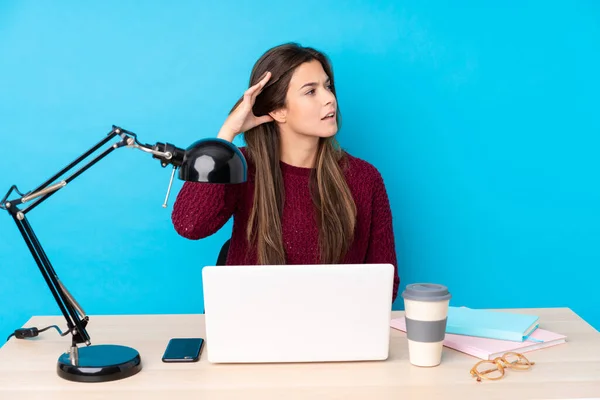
(299,150)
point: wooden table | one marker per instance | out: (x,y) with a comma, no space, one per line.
(27,368)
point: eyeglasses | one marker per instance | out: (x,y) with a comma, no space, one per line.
(494,369)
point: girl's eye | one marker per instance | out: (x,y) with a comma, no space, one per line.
(312,91)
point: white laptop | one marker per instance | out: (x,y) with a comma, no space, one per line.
(297,313)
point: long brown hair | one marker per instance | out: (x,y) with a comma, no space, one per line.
(334,205)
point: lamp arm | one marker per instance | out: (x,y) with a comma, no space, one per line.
(71,310)
(159,154)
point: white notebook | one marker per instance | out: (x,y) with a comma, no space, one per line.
(297,313)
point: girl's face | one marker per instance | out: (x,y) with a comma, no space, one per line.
(311,106)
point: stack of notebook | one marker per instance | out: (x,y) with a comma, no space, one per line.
(489,334)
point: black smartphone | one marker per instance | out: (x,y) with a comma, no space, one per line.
(183,350)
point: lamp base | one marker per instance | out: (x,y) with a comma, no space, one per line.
(99,363)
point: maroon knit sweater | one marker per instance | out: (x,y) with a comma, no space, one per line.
(201,209)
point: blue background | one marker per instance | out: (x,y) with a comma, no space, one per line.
(482,119)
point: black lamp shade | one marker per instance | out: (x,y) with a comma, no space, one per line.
(213,160)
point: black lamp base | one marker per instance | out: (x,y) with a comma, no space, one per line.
(99,363)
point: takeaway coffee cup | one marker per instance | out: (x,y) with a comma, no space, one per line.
(426,312)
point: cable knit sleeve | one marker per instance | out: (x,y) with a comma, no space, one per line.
(201,209)
(382,248)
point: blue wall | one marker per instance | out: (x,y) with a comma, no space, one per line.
(488,118)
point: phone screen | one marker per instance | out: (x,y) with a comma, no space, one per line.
(183,350)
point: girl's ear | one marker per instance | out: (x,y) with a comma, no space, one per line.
(279,115)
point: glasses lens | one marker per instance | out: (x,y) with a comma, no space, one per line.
(489,370)
(515,361)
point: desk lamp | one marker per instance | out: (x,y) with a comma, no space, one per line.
(207,160)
